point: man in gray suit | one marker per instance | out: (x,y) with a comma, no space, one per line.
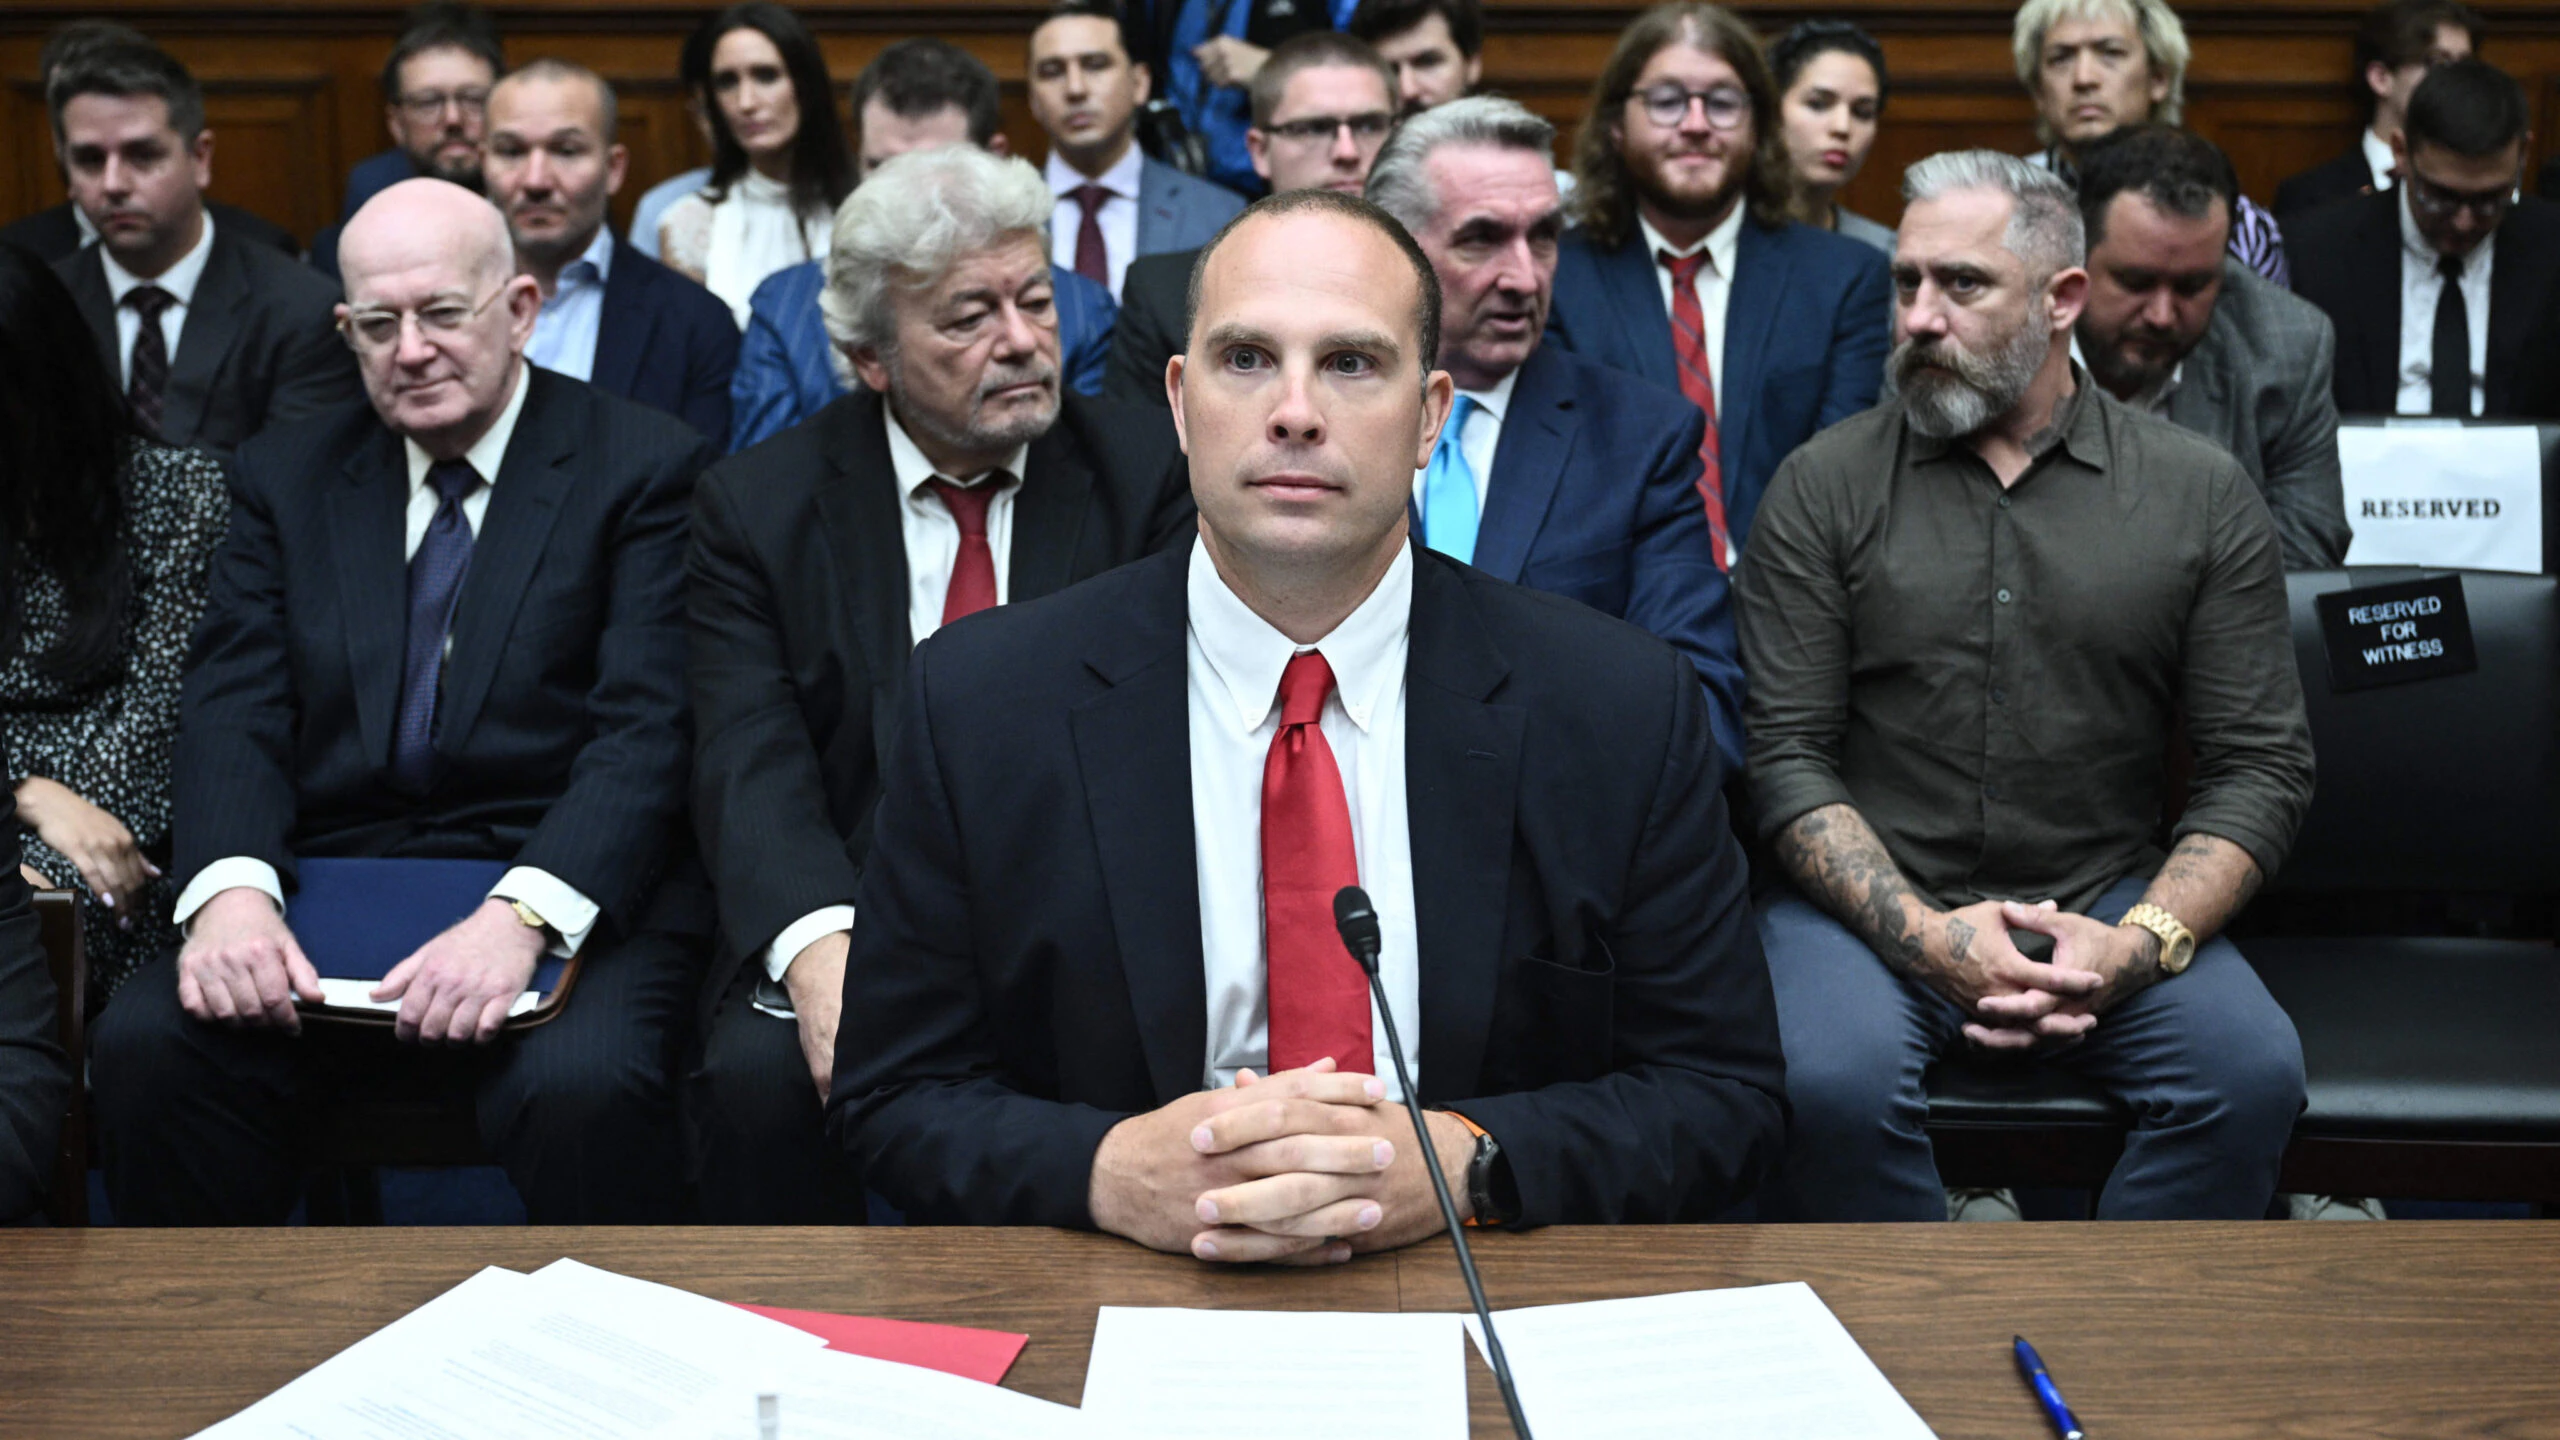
(2175,327)
(1114,203)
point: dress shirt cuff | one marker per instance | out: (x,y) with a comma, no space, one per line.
(800,934)
(571,915)
(233,872)
(1785,791)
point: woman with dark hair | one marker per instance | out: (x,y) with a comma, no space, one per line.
(780,165)
(106,540)
(1831,92)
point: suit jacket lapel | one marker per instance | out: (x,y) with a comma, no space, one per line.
(1133,749)
(1048,516)
(1529,462)
(622,332)
(89,288)
(368,530)
(524,501)
(2379,240)
(1629,274)
(1462,782)
(204,342)
(864,532)
(1752,294)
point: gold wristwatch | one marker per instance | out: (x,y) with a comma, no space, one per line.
(2177,942)
(532,918)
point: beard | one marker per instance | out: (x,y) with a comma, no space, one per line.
(1645,174)
(2112,368)
(1948,391)
(979,436)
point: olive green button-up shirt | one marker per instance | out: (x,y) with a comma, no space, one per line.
(1992,676)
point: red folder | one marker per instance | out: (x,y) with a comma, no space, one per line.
(971,1354)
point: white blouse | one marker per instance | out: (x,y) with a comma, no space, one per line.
(747,235)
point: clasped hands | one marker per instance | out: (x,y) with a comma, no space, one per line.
(1305,1167)
(242,967)
(2013,1003)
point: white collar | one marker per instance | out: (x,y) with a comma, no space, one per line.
(2377,158)
(2414,243)
(913,471)
(1721,243)
(1366,650)
(489,451)
(1496,400)
(1122,179)
(179,279)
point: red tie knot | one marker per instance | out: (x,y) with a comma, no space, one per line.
(1091,197)
(1303,687)
(1684,268)
(967,503)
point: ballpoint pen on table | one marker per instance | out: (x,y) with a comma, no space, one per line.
(2031,1365)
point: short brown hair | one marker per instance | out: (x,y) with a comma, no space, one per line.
(1604,192)
(1308,51)
(1426,309)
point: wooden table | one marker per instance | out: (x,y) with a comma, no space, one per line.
(2418,1329)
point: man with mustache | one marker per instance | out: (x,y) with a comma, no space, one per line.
(1686,271)
(435,97)
(1973,618)
(1552,472)
(610,316)
(958,478)
(2175,327)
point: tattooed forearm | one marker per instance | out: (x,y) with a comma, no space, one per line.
(1844,868)
(2204,882)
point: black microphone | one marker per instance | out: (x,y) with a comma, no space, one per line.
(1358,924)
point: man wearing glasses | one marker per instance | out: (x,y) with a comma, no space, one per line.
(447,625)
(1686,271)
(435,103)
(2436,287)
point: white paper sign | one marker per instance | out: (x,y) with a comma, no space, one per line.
(2444,495)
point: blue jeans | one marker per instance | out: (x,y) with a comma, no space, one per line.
(2208,1062)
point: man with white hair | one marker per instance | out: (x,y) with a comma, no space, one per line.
(446,626)
(961,476)
(1972,617)
(1552,472)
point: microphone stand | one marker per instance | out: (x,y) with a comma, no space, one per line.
(1358,924)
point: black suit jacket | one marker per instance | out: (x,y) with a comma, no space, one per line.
(55,235)
(2342,178)
(2346,260)
(260,344)
(666,342)
(1027,964)
(561,734)
(798,600)
(1155,296)
(35,1080)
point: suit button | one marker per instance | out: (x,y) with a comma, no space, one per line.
(2002,596)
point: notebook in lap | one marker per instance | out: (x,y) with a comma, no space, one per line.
(357,918)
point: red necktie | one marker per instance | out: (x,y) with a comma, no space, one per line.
(1090,262)
(973,572)
(1698,382)
(1318,997)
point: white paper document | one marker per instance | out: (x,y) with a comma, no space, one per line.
(828,1395)
(1764,1362)
(2443,495)
(358,995)
(1274,1375)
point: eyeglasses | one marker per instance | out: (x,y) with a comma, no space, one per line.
(2438,202)
(1365,128)
(426,105)
(379,330)
(1668,104)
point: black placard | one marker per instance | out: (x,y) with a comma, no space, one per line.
(2389,634)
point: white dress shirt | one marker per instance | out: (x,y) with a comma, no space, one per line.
(2420,286)
(1233,660)
(1714,285)
(565,328)
(1478,441)
(570,913)
(1118,216)
(179,280)
(2377,158)
(932,541)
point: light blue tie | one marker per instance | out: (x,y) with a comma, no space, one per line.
(1449,512)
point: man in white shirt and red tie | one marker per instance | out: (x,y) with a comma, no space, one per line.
(957,478)
(1094,977)
(1114,203)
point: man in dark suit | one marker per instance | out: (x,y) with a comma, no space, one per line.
(1553,472)
(1322,107)
(1686,271)
(1095,978)
(2398,43)
(2175,327)
(517,697)
(2436,286)
(610,315)
(435,96)
(215,335)
(35,1081)
(820,558)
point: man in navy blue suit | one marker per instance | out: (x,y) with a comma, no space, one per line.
(1685,269)
(610,315)
(435,96)
(1552,472)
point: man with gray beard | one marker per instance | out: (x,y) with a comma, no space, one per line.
(959,478)
(1970,617)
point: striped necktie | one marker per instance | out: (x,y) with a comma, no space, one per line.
(1698,382)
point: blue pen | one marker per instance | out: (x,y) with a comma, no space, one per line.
(2031,1365)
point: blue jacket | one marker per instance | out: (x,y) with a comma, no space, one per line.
(1178,211)
(665,342)
(785,373)
(1805,336)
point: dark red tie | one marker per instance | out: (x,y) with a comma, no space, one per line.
(1319,999)
(1091,263)
(148,376)
(1698,382)
(973,571)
